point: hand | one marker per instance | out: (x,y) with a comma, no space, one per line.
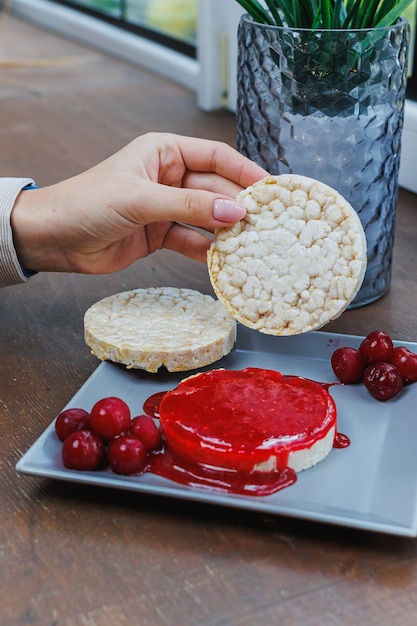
(144,197)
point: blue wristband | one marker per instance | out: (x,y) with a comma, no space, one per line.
(28,273)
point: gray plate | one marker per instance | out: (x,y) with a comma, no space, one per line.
(371,485)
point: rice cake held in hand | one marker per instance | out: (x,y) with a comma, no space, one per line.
(295,262)
(180,329)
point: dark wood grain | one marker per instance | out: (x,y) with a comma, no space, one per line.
(73,555)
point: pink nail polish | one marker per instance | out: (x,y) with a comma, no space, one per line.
(228,210)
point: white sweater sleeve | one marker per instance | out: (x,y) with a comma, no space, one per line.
(11,272)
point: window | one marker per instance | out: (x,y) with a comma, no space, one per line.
(169,22)
(159,35)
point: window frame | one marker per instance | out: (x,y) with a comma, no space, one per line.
(132,27)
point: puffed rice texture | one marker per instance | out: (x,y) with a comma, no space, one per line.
(180,329)
(295,262)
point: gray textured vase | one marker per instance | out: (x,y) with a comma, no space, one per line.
(330,105)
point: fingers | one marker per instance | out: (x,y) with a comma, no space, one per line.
(204,209)
(211,182)
(194,155)
(187,241)
(210,156)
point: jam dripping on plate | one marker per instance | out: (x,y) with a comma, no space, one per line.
(245,408)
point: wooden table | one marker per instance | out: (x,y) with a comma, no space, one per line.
(76,555)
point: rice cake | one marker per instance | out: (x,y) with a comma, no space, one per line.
(295,262)
(249,420)
(180,329)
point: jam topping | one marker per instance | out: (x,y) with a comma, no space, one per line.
(234,430)
(151,405)
(167,465)
(341,441)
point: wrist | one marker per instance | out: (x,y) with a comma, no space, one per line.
(28,273)
(22,220)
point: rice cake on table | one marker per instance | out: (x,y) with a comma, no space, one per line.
(246,431)
(179,329)
(295,262)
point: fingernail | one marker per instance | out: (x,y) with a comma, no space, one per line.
(228,210)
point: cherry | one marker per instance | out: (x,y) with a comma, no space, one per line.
(348,364)
(376,347)
(69,421)
(126,455)
(110,417)
(406,362)
(83,450)
(382,380)
(144,428)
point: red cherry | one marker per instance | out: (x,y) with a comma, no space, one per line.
(406,362)
(83,450)
(110,417)
(126,455)
(69,421)
(348,364)
(376,347)
(144,428)
(382,380)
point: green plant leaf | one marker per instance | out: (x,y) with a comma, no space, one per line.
(325,10)
(255,9)
(339,14)
(393,10)
(369,13)
(273,7)
(307,11)
(326,14)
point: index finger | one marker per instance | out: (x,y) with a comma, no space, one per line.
(205,155)
(216,156)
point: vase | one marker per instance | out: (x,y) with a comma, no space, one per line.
(329,104)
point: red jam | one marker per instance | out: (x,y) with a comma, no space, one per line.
(341,441)
(151,405)
(222,429)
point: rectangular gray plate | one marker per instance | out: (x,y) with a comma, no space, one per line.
(371,485)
